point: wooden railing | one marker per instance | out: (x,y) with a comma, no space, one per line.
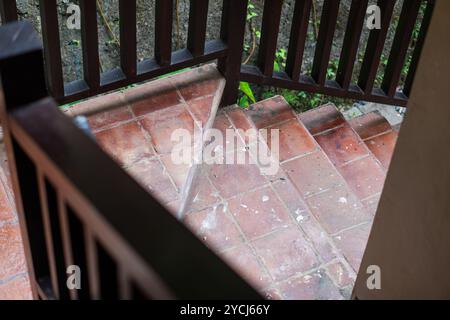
(77,207)
(228,49)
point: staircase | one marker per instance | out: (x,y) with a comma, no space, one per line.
(297,234)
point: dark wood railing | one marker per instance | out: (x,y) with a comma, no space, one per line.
(76,206)
(228,49)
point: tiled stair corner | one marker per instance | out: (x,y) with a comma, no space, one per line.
(361,170)
(137,133)
(377,134)
(289,234)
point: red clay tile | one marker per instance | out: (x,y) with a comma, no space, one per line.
(197,82)
(152,176)
(241,122)
(214,227)
(352,244)
(243,261)
(232,179)
(312,173)
(12,258)
(340,275)
(321,118)
(178,172)
(203,193)
(365,177)
(239,119)
(290,197)
(337,209)
(6,210)
(318,238)
(269,112)
(154,95)
(125,143)
(383,147)
(201,108)
(16,289)
(285,253)
(259,212)
(294,140)
(370,124)
(110,117)
(300,212)
(315,286)
(162,123)
(342,145)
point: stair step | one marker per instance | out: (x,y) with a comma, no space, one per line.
(370,124)
(322,118)
(260,221)
(377,134)
(348,153)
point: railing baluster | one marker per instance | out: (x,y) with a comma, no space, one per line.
(52,48)
(297,40)
(89,38)
(198,17)
(419,45)
(269,36)
(374,48)
(128,55)
(92,264)
(351,42)
(43,197)
(328,21)
(163,32)
(124,285)
(400,46)
(8,10)
(66,239)
(232,32)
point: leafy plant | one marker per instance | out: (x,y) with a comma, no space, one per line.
(247,95)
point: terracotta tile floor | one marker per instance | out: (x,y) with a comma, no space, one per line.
(297,234)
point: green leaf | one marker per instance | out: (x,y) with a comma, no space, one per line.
(243,102)
(276,66)
(245,88)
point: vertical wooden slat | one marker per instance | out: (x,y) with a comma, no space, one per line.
(400,46)
(269,36)
(328,21)
(351,42)
(89,38)
(52,48)
(374,48)
(125,290)
(92,264)
(232,33)
(8,10)
(128,55)
(198,17)
(48,233)
(66,239)
(297,40)
(163,31)
(419,45)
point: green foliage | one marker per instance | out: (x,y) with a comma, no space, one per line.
(247,95)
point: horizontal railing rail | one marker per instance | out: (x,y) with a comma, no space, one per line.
(77,207)
(228,49)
